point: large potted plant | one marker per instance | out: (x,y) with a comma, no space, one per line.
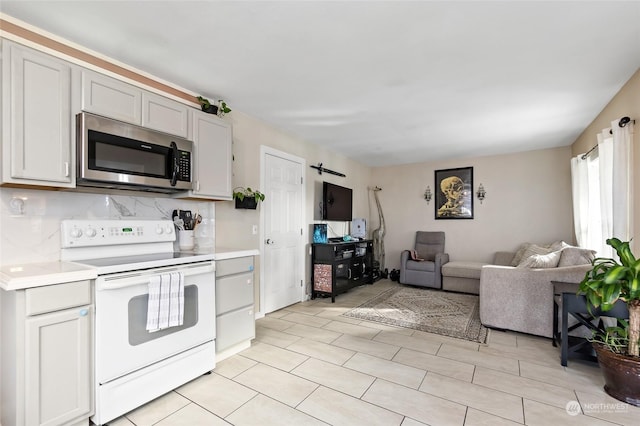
(247,198)
(608,282)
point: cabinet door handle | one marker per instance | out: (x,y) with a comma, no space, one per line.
(197,185)
(66,168)
(84,312)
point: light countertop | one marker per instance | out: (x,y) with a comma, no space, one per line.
(230,253)
(18,277)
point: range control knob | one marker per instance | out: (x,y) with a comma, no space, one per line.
(169,229)
(159,230)
(90,232)
(76,233)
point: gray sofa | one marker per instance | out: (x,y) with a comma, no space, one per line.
(521,298)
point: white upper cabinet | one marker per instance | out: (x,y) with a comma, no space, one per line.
(163,114)
(212,153)
(37,124)
(115,99)
(111,98)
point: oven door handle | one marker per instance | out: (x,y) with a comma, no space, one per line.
(130,279)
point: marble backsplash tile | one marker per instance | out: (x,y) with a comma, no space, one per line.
(30,219)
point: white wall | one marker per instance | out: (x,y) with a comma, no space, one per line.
(528,199)
(249,134)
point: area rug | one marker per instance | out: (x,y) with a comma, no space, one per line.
(448,314)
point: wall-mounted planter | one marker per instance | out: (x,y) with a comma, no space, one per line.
(211,109)
(246,203)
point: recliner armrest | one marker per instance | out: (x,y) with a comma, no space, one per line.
(441,259)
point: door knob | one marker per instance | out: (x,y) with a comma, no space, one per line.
(269,241)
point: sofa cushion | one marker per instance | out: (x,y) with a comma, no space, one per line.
(518,257)
(576,256)
(549,260)
(462,269)
(558,245)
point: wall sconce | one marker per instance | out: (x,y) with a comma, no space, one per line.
(427,194)
(481,193)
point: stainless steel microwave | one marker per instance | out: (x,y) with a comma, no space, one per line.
(114,154)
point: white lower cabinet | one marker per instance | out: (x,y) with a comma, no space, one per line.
(47,355)
(235,317)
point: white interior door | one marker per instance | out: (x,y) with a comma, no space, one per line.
(283,244)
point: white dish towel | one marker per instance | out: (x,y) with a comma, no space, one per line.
(166,301)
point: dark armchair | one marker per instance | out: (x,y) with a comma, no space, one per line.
(428,272)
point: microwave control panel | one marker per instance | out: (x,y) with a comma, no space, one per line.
(184,163)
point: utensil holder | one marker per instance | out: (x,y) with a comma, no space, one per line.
(186,240)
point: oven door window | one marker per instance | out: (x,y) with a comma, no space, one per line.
(137,308)
(117,154)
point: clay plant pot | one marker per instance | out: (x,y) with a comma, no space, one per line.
(621,375)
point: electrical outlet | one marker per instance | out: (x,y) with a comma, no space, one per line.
(254,229)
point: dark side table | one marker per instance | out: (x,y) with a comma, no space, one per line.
(566,300)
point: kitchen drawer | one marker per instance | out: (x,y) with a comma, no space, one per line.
(234,292)
(235,327)
(234,266)
(57,297)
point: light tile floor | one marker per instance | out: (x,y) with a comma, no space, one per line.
(311,366)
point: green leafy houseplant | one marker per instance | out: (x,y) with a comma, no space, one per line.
(224,108)
(247,198)
(206,105)
(609,281)
(240,193)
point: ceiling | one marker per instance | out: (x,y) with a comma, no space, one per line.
(384,83)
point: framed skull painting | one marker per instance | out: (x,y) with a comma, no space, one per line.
(454,193)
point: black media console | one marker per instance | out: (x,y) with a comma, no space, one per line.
(340,266)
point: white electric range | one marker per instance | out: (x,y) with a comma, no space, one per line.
(133,365)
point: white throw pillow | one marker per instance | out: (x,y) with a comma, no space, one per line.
(549,260)
(576,256)
(534,249)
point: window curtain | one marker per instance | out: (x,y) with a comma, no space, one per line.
(580,189)
(585,180)
(622,182)
(606,175)
(601,187)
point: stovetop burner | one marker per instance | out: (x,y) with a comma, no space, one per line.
(110,265)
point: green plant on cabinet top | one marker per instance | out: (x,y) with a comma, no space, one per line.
(221,109)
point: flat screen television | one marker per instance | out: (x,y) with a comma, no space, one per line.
(337,202)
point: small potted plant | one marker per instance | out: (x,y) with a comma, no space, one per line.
(206,106)
(223,108)
(247,198)
(617,348)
